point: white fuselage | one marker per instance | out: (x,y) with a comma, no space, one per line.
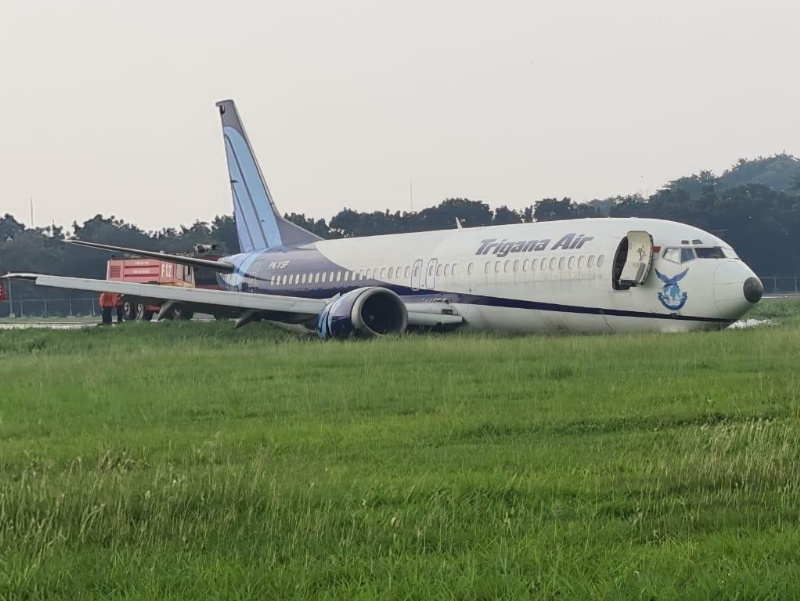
(538,277)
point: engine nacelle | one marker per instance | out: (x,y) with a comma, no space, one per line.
(364,312)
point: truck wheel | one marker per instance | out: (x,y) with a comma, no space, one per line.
(182,314)
(129,311)
(142,313)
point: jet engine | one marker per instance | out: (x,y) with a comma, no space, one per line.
(364,313)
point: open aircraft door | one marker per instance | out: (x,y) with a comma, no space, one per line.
(633,260)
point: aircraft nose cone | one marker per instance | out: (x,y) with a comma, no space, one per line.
(753,290)
(736,289)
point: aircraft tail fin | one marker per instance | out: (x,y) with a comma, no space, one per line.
(259,225)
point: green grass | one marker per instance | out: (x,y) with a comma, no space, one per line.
(192,461)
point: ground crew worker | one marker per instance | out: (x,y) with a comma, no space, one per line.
(107,304)
(118,305)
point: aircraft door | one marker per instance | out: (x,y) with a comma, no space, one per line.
(416,274)
(633,260)
(430,274)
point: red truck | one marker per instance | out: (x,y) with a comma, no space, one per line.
(154,271)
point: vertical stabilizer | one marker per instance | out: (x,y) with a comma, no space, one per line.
(258,223)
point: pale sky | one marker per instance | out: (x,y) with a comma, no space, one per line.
(108,106)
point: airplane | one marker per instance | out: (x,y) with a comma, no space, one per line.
(593,276)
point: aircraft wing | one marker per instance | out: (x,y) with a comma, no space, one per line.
(198,299)
(290,309)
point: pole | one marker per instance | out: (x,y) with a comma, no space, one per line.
(10,299)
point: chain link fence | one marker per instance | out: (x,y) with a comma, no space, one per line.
(50,307)
(781,284)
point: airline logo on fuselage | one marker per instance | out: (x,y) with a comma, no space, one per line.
(503,247)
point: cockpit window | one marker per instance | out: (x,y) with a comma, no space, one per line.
(673,254)
(713,252)
(686,254)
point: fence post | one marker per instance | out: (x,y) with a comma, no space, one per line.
(10,300)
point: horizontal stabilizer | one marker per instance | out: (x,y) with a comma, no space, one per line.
(180,260)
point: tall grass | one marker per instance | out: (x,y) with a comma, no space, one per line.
(193,461)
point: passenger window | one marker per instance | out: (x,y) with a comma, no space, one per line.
(407,271)
(447,269)
(687,254)
(534,262)
(488,267)
(507,266)
(383,273)
(497,266)
(552,264)
(346,276)
(439,268)
(391,272)
(600,260)
(580,262)
(544,264)
(561,262)
(516,266)
(369,274)
(525,264)
(590,262)
(453,269)
(470,268)
(324,276)
(338,276)
(416,269)
(571,264)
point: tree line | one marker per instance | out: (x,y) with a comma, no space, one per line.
(754,205)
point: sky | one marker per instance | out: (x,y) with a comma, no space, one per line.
(108,106)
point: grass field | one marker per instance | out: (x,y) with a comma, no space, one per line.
(191,461)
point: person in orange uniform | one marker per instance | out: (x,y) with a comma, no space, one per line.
(107,304)
(118,305)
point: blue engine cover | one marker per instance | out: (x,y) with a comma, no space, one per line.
(363,312)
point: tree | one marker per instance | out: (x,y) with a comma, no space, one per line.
(10,228)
